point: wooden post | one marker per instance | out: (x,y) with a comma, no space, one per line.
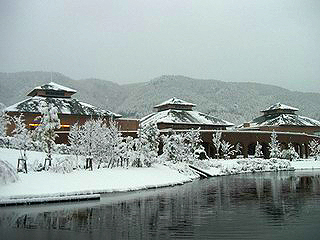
(89,163)
(46,166)
(22,165)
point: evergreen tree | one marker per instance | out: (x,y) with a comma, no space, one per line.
(274,146)
(289,153)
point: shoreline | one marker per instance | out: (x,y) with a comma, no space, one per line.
(46,186)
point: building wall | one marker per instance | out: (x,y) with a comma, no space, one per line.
(126,124)
(248,140)
(65,120)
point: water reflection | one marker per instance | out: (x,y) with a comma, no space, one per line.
(249,206)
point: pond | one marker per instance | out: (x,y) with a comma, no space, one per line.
(281,205)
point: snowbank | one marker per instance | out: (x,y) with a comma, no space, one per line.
(305,164)
(216,167)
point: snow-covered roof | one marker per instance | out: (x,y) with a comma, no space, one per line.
(52,86)
(64,106)
(183,117)
(280,106)
(284,120)
(175,101)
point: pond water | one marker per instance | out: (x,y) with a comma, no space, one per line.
(282,205)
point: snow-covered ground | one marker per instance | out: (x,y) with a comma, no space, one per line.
(49,184)
(45,183)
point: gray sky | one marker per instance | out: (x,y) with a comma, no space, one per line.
(266,41)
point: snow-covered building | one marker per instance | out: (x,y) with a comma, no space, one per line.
(179,114)
(282,118)
(70,110)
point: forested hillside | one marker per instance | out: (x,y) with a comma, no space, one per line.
(232,101)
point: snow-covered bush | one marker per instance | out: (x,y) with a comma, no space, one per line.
(62,165)
(7,173)
(274,146)
(6,142)
(227,149)
(216,139)
(62,149)
(289,153)
(258,151)
(255,165)
(314,147)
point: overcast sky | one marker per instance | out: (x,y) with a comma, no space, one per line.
(124,41)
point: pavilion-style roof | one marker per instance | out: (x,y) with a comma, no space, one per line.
(177,111)
(52,90)
(282,115)
(174,103)
(60,97)
(279,108)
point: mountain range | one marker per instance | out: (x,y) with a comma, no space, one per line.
(235,102)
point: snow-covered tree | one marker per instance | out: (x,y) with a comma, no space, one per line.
(314,147)
(147,145)
(4,121)
(74,139)
(7,173)
(182,147)
(174,149)
(21,136)
(238,148)
(45,132)
(274,146)
(216,139)
(92,139)
(289,153)
(193,143)
(258,150)
(227,149)
(114,145)
(100,142)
